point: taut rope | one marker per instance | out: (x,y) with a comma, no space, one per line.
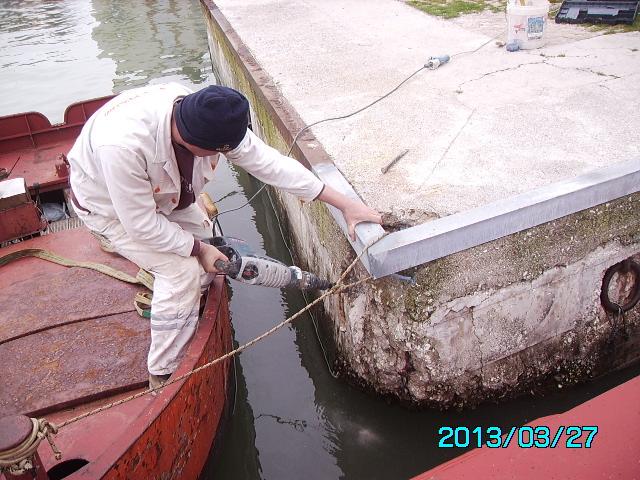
(19,457)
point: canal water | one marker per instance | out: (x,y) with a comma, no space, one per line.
(291,418)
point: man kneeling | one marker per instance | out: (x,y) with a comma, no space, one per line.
(136,169)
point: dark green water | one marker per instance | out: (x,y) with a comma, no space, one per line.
(291,418)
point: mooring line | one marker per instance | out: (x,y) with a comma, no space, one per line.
(337,288)
(14,459)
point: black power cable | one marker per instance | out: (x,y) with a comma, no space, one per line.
(341,117)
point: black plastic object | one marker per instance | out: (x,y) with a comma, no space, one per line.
(232,267)
(597,11)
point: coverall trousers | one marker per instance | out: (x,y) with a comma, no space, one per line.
(177,288)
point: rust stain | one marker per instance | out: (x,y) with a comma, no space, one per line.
(65,364)
(72,295)
(175,444)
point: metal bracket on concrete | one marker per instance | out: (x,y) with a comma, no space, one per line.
(454,233)
(436,239)
(366,233)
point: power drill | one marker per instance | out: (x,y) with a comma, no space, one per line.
(247,267)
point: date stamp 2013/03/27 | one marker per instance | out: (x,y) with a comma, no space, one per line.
(572,436)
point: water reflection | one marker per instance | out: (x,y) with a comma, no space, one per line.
(292,419)
(48,59)
(148,39)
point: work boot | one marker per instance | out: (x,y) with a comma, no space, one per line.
(157,380)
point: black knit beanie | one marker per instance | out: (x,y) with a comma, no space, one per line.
(214,118)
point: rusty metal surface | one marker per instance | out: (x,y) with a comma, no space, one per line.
(14,430)
(37,166)
(168,435)
(20,221)
(30,139)
(72,363)
(37,294)
(67,334)
(176,445)
(69,296)
(77,244)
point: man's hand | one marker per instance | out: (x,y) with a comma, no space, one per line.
(208,255)
(353,210)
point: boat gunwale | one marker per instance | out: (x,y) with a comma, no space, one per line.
(202,348)
(109,458)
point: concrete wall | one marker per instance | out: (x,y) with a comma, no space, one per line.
(516,314)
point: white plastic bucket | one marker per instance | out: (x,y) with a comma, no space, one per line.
(526,24)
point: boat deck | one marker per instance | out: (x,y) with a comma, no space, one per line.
(68,335)
(71,340)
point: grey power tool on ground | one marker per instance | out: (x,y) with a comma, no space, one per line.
(247,267)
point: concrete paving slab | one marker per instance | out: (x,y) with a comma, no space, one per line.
(487,126)
(506,294)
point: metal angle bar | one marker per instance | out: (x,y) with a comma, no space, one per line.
(366,234)
(454,233)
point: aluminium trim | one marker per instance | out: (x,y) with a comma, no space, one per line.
(436,239)
(423,243)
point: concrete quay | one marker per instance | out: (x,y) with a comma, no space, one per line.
(517,194)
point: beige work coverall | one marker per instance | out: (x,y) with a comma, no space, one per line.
(124,173)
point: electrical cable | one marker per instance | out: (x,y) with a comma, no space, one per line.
(306,300)
(341,117)
(476,49)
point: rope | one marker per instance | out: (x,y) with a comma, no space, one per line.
(18,460)
(337,288)
(306,300)
(142,302)
(142,277)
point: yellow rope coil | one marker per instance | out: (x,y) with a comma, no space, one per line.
(18,460)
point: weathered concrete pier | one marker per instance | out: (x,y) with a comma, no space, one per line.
(517,195)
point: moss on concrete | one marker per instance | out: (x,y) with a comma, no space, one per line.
(431,284)
(374,310)
(323,222)
(525,255)
(455,8)
(268,130)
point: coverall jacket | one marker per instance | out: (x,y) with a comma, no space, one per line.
(125,177)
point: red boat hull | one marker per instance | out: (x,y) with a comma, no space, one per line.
(71,341)
(614,451)
(169,435)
